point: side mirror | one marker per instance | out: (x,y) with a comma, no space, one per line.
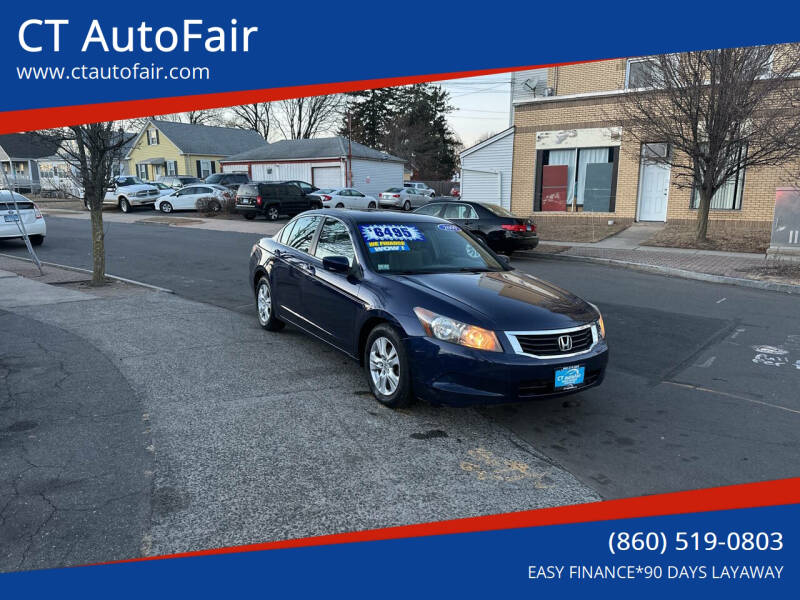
(337,264)
(504,259)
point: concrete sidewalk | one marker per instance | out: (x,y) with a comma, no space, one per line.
(625,250)
(238,436)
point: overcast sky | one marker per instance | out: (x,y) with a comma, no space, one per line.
(481,103)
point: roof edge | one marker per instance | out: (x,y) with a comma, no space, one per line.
(486,142)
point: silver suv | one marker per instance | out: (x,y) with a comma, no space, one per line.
(422,188)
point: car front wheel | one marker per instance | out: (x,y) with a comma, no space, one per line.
(387,369)
(124,205)
(165,207)
(371,205)
(264,307)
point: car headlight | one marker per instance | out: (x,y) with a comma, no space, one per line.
(450,330)
(601,326)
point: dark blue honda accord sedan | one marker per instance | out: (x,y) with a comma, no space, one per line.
(428,310)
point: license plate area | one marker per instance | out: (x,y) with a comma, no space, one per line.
(11,218)
(569,377)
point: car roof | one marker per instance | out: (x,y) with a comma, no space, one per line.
(356,217)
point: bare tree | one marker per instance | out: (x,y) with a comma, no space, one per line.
(93,150)
(720,111)
(302,118)
(255,117)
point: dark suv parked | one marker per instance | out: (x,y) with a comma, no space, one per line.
(229,180)
(273,199)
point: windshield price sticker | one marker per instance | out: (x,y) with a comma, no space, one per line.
(389,232)
(388,246)
(447,227)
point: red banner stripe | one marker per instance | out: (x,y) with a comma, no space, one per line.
(749,495)
(61,116)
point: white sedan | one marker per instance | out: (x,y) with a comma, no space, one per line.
(345,198)
(27,212)
(186,198)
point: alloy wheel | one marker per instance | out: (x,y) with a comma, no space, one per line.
(264,303)
(272,213)
(384,366)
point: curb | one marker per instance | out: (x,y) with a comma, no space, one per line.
(786,288)
(79,270)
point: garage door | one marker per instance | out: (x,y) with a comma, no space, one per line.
(326,177)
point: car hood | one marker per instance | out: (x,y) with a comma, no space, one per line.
(506,300)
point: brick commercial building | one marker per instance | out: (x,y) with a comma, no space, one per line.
(573,158)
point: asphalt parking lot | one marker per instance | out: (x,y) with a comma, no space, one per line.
(693,397)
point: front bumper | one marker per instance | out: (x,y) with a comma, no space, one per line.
(445,373)
(143,201)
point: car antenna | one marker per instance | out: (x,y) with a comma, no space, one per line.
(20,223)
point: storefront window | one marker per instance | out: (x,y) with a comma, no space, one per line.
(589,177)
(729,196)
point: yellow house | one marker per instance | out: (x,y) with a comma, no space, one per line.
(167,148)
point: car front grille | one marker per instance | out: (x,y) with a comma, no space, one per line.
(545,387)
(548,344)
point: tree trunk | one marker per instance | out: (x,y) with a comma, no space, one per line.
(98,244)
(702,213)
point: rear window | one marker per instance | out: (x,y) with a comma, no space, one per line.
(20,205)
(498,210)
(394,190)
(248,190)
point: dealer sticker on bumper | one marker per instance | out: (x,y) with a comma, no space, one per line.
(569,376)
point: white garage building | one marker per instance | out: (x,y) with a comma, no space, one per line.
(486,170)
(323,162)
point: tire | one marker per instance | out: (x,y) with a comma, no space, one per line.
(339,205)
(36,240)
(372,205)
(165,207)
(124,205)
(264,311)
(407,206)
(214,206)
(86,205)
(273,213)
(249,216)
(386,367)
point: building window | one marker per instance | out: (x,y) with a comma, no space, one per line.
(640,72)
(205,168)
(590,176)
(172,167)
(141,171)
(729,196)
(152,137)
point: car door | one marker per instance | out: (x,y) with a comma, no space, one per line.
(419,198)
(186,198)
(357,199)
(292,270)
(462,215)
(331,298)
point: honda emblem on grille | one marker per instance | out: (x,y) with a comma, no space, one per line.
(565,343)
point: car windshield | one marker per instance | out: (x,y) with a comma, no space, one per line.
(424,247)
(498,210)
(213,178)
(129,181)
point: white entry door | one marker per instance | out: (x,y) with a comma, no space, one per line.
(653,191)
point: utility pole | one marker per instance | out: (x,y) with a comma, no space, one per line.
(20,222)
(349,150)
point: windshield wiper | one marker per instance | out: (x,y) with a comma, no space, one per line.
(476,270)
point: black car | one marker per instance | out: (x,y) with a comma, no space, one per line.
(503,231)
(428,310)
(229,180)
(273,199)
